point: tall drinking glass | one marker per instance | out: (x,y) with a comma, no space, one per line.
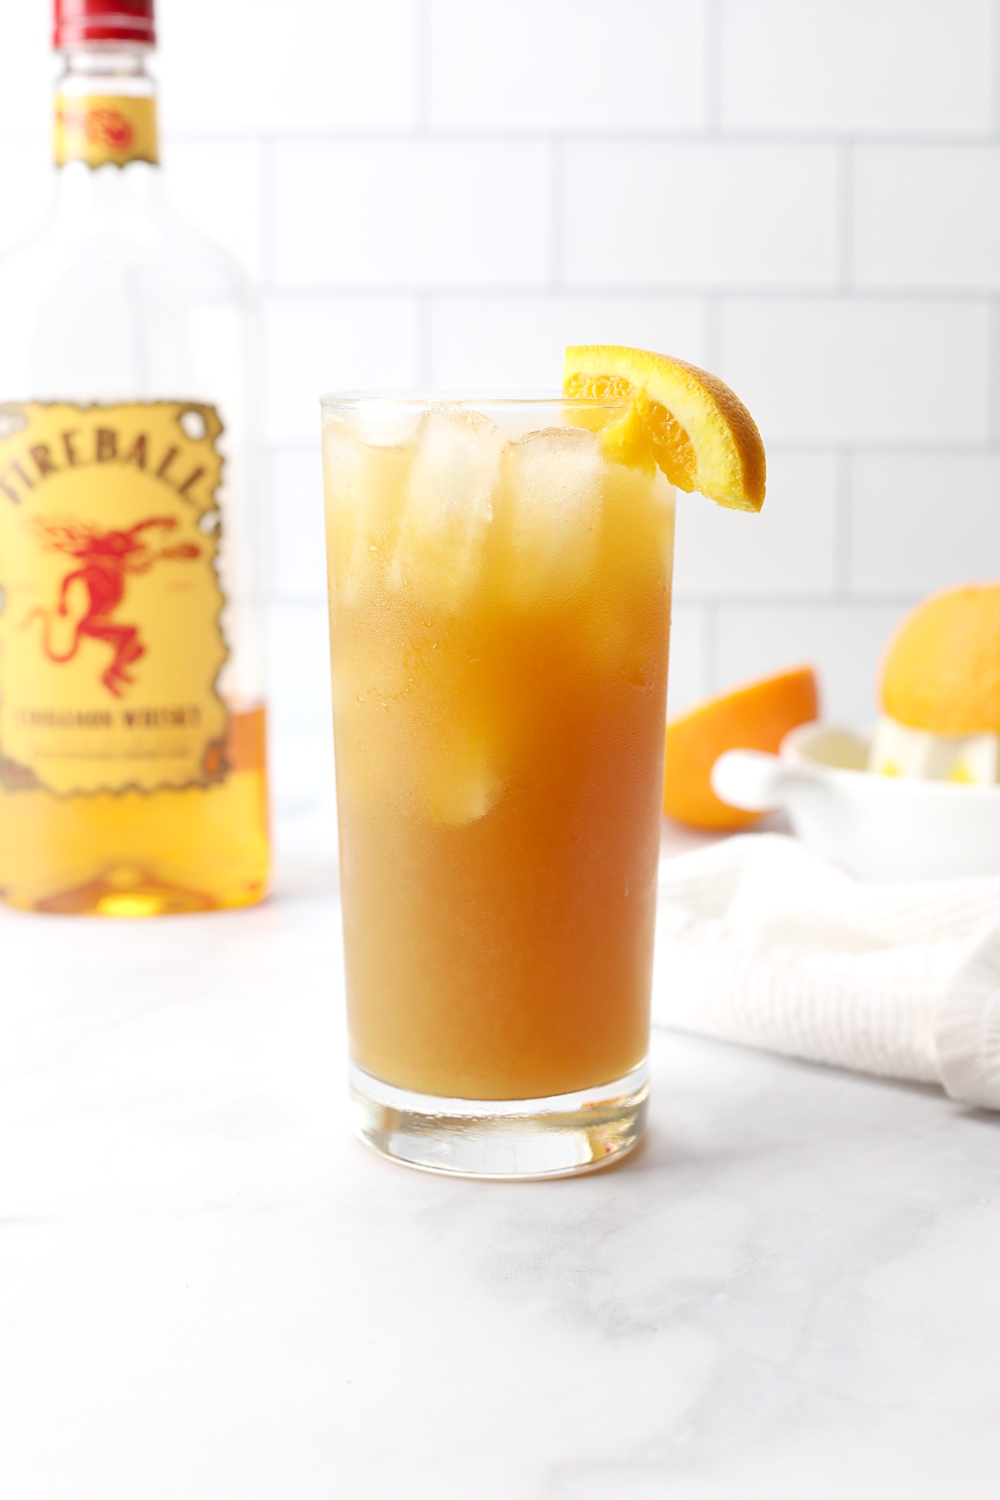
(500,619)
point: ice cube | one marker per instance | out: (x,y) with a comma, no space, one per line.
(386,424)
(448,504)
(465,780)
(345,488)
(363,488)
(554,482)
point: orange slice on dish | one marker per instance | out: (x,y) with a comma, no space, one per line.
(685,420)
(754,717)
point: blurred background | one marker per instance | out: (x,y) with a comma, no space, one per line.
(802,195)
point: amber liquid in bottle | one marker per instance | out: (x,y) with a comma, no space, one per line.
(133,777)
(133,854)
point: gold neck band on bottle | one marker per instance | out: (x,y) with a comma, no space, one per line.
(102,128)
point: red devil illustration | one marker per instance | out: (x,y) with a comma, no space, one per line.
(107,560)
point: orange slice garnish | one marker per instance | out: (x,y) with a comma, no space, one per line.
(689,422)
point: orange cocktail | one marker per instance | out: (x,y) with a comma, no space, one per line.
(500,611)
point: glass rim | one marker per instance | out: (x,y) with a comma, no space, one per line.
(428,399)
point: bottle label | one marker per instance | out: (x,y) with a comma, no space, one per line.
(100,128)
(111,640)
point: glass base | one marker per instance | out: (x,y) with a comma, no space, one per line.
(511,1139)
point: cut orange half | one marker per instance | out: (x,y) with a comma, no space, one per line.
(756,716)
(941,669)
(690,423)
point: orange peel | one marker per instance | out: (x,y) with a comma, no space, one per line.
(756,716)
(941,668)
(691,424)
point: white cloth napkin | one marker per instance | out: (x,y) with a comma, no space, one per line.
(763,942)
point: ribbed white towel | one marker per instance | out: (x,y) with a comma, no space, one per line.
(762,942)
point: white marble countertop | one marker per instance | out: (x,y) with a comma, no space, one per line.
(209,1289)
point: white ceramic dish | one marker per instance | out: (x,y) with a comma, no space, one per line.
(879,827)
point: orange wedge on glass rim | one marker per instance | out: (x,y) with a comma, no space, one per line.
(686,421)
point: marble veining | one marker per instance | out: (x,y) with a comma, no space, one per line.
(208,1288)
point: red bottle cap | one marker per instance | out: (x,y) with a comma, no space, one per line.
(76,21)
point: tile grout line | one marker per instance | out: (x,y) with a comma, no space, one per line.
(557,214)
(713,69)
(710,630)
(843,490)
(267,522)
(845,215)
(423,314)
(993,372)
(712,313)
(266,214)
(626,136)
(539,286)
(422,86)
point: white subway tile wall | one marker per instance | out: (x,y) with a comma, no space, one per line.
(231,218)
(315,343)
(927,216)
(753,639)
(856,65)
(558,65)
(639,213)
(790,551)
(419,213)
(517,341)
(802,194)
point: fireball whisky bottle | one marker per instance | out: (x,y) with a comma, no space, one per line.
(132,730)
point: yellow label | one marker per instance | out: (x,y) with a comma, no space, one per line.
(100,128)
(110,634)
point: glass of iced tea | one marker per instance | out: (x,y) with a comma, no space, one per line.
(500,618)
